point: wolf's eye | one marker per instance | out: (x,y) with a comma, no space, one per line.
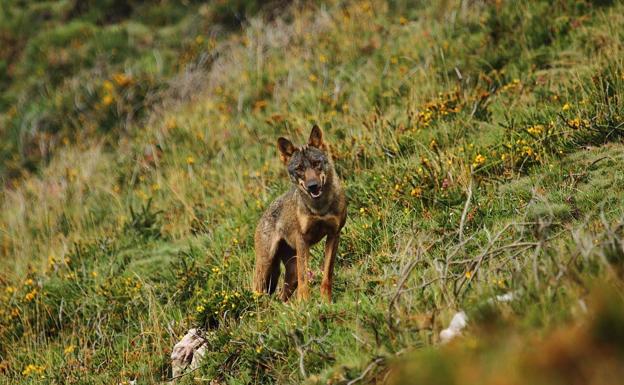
(316,164)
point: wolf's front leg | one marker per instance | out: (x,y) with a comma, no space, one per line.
(331,246)
(303,255)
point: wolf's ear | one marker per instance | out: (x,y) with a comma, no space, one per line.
(286,149)
(316,138)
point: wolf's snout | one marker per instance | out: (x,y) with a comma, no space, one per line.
(313,186)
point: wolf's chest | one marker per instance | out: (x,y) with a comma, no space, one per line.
(314,227)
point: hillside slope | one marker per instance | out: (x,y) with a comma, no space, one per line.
(480,144)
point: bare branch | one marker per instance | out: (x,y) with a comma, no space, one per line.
(465,212)
(365,372)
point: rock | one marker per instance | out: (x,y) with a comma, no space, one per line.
(459,321)
(188,353)
(507,297)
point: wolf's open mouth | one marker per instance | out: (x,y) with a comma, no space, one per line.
(316,194)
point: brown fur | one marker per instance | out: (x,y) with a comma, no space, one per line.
(295,221)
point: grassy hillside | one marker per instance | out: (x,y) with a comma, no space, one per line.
(480,144)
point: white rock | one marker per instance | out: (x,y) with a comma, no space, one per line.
(198,357)
(459,322)
(507,297)
(188,353)
(503,298)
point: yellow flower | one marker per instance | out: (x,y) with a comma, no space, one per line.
(468,274)
(402,20)
(260,104)
(565,107)
(416,192)
(259,349)
(155,187)
(142,195)
(107,100)
(479,160)
(71,173)
(312,78)
(108,86)
(200,308)
(33,369)
(171,123)
(536,130)
(122,79)
(190,160)
(322,58)
(69,349)
(30,295)
(28,282)
(94,274)
(9,290)
(577,123)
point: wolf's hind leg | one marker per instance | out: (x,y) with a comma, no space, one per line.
(267,269)
(266,276)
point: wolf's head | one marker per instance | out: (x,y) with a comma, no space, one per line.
(309,166)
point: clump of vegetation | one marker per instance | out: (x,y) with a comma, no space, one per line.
(480,145)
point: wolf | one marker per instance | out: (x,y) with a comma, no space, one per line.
(315,207)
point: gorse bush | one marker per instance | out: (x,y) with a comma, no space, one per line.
(145,221)
(94,66)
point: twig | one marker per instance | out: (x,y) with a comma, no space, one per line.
(535,264)
(302,350)
(465,212)
(365,372)
(404,277)
(425,284)
(402,281)
(479,259)
(499,249)
(182,375)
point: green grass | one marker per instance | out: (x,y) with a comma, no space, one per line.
(480,145)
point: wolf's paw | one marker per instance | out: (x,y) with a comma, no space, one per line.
(326,292)
(303,293)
